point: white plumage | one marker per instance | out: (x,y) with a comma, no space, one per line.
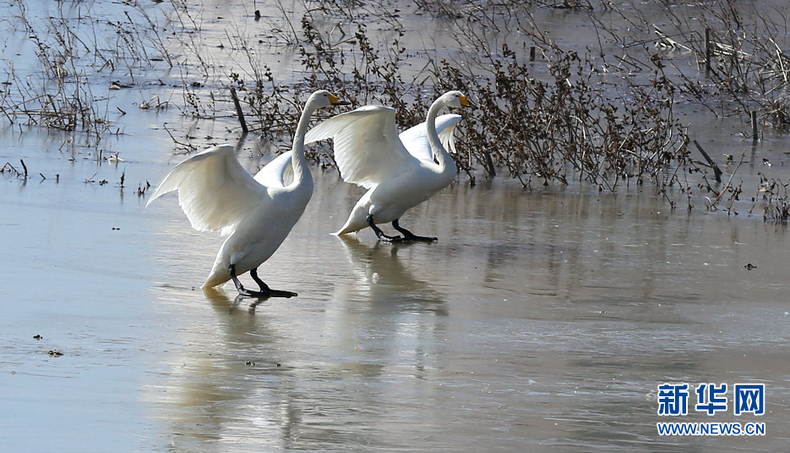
(256,213)
(399,171)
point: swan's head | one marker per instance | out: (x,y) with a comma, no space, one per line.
(323,98)
(456,99)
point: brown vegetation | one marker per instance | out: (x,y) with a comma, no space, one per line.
(548,114)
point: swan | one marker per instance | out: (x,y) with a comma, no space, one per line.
(399,171)
(256,213)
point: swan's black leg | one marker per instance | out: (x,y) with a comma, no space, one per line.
(409,236)
(380,234)
(265,290)
(239,286)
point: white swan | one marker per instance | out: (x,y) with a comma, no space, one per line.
(399,172)
(257,214)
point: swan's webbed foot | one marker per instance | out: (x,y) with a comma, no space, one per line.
(409,236)
(265,291)
(380,234)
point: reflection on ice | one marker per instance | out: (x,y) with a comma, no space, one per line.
(383,283)
(282,375)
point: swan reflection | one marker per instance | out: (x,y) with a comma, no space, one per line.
(382,283)
(308,374)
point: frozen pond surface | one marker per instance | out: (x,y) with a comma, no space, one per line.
(541,321)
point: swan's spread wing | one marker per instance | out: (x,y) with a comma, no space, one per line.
(214,191)
(445,126)
(367,148)
(415,139)
(278,172)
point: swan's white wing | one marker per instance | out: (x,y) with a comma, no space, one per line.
(214,191)
(278,172)
(415,139)
(366,144)
(445,126)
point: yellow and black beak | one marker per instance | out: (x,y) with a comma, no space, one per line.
(336,101)
(467,103)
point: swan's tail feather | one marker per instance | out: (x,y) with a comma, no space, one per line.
(219,275)
(346,230)
(353,224)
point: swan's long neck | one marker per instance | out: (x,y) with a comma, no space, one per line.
(446,162)
(298,160)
